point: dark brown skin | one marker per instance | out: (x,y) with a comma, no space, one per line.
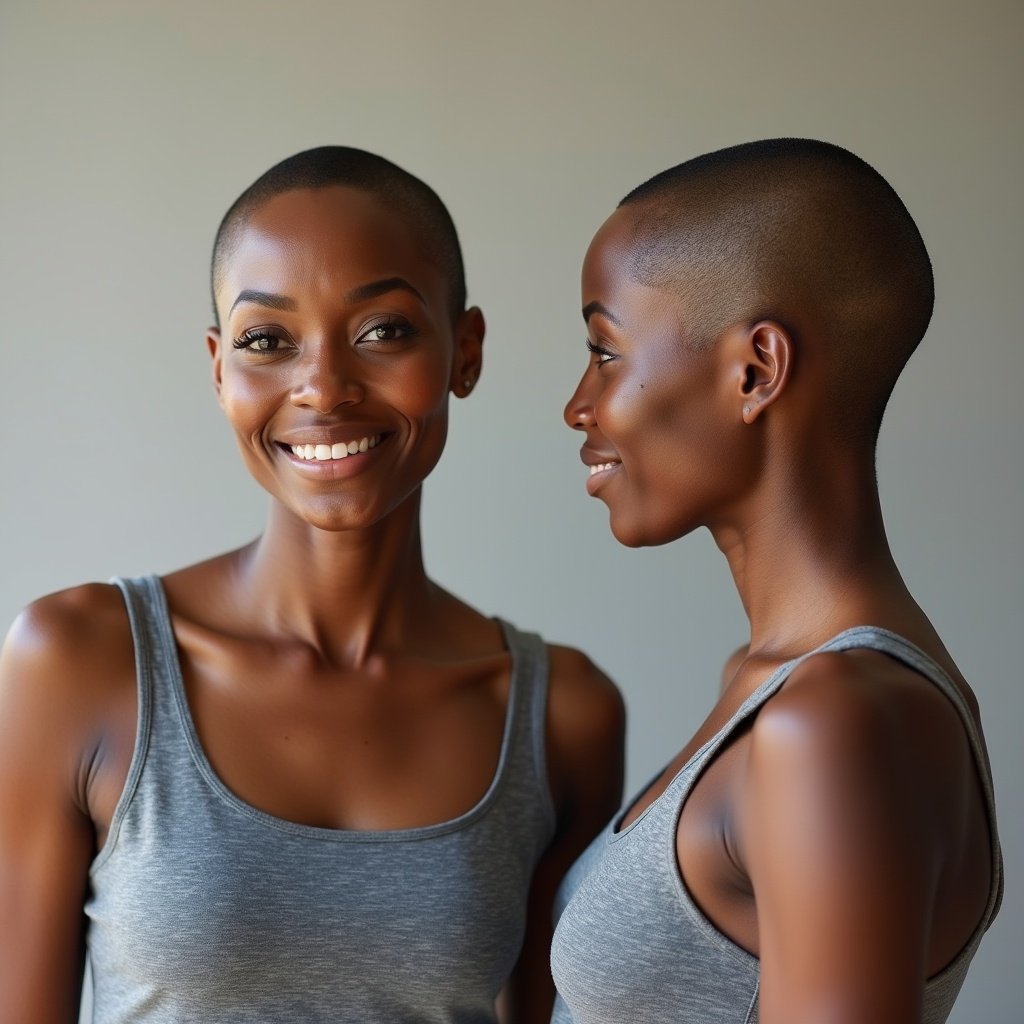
(332,683)
(842,837)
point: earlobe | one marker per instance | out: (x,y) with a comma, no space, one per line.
(213,343)
(768,358)
(469,356)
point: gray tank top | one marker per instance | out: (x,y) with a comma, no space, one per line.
(203,908)
(631,944)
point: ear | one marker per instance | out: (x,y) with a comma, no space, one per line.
(469,352)
(766,362)
(213,343)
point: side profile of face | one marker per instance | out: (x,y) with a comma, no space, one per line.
(662,418)
(337,354)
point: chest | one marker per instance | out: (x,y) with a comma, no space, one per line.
(412,745)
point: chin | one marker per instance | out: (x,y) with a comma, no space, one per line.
(641,535)
(630,535)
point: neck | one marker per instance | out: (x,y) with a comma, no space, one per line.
(348,594)
(816,562)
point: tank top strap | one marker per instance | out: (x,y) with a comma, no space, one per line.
(156,655)
(527,714)
(158,732)
(873,638)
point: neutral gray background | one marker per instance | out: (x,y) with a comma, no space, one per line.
(127,128)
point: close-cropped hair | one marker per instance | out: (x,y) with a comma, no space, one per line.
(327,166)
(776,228)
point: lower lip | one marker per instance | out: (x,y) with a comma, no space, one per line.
(334,469)
(596,480)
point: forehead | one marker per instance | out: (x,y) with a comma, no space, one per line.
(610,282)
(610,253)
(329,239)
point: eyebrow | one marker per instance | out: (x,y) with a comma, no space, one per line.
(375,289)
(268,299)
(599,307)
(372,290)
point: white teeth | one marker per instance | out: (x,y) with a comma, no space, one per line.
(339,450)
(601,467)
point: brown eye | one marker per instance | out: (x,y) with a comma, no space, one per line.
(261,340)
(387,330)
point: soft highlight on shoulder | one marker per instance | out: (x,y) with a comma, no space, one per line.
(328,166)
(799,231)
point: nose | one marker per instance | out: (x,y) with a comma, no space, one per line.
(327,378)
(579,410)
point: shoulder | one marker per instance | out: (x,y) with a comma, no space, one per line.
(65,656)
(583,701)
(860,702)
(70,628)
(856,745)
(586,725)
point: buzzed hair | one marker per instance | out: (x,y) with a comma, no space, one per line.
(328,166)
(782,228)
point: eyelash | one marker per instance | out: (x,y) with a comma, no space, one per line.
(248,340)
(405,329)
(603,355)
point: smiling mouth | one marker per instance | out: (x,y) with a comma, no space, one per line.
(333,452)
(600,467)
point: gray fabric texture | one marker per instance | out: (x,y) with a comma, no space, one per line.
(203,908)
(631,945)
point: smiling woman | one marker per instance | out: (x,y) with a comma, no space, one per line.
(824,846)
(301,781)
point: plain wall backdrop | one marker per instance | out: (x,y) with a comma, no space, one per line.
(126,129)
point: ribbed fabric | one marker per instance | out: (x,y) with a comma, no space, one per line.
(631,944)
(205,909)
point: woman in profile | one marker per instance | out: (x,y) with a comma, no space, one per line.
(301,781)
(823,848)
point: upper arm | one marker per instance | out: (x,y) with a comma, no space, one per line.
(838,851)
(46,837)
(585,752)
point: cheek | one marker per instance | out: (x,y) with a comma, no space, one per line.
(637,415)
(244,397)
(418,389)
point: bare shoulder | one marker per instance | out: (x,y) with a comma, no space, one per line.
(61,637)
(584,705)
(66,658)
(859,734)
(846,699)
(586,726)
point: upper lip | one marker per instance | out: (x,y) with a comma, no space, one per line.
(592,458)
(340,434)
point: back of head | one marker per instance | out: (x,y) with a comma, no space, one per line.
(801,232)
(328,166)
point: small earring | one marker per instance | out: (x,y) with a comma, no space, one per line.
(467,383)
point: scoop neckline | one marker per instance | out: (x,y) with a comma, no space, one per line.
(172,663)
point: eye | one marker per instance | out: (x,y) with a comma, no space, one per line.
(385,331)
(259,339)
(602,354)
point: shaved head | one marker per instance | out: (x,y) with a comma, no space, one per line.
(328,166)
(797,231)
